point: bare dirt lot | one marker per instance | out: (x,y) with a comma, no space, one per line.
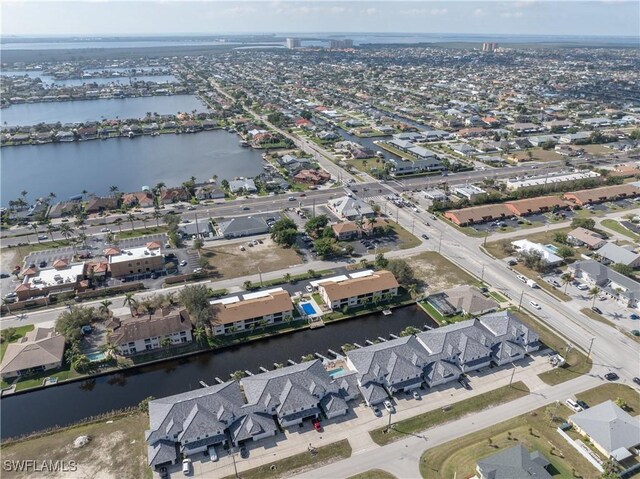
(438,272)
(115,450)
(231,262)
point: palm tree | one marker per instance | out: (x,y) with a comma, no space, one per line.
(131,218)
(247,285)
(287,277)
(566,278)
(593,293)
(118,222)
(156,216)
(34,226)
(6,303)
(113,189)
(199,334)
(129,300)
(84,193)
(50,229)
(66,231)
(104,307)
(144,220)
(412,289)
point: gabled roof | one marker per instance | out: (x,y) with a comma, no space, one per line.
(378,281)
(609,426)
(618,254)
(514,463)
(161,323)
(37,348)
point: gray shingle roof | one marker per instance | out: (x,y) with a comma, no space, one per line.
(618,254)
(514,463)
(609,280)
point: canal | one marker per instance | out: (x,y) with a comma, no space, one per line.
(94,110)
(68,168)
(68,403)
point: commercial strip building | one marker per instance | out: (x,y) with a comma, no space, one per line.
(235,314)
(549,180)
(134,261)
(600,195)
(235,412)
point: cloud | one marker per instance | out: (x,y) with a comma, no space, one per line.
(512,15)
(370,11)
(479,12)
(239,10)
(425,11)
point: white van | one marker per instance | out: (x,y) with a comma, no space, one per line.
(186,466)
(212,453)
(574,406)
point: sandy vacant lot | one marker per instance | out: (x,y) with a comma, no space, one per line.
(115,450)
(231,262)
(438,272)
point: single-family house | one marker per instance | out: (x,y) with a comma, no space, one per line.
(38,350)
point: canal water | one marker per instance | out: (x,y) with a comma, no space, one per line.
(48,80)
(93,110)
(68,403)
(68,168)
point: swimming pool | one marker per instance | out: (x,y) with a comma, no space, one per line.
(308,309)
(552,248)
(97,356)
(334,373)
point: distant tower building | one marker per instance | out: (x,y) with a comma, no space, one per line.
(489,47)
(341,44)
(293,43)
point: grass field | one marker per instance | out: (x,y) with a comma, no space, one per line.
(535,431)
(152,230)
(405,239)
(577,363)
(613,225)
(20,332)
(612,391)
(543,237)
(438,272)
(116,449)
(373,474)
(230,262)
(457,410)
(538,154)
(498,297)
(290,466)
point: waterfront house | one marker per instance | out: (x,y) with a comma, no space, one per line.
(359,289)
(462,300)
(388,367)
(64,136)
(242,185)
(253,310)
(173,195)
(89,133)
(97,204)
(145,332)
(138,261)
(314,177)
(142,199)
(209,192)
(64,208)
(38,350)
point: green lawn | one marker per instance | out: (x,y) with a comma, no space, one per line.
(19,333)
(618,228)
(405,239)
(140,232)
(498,297)
(577,363)
(457,410)
(373,474)
(293,465)
(64,373)
(435,314)
(535,431)
(612,391)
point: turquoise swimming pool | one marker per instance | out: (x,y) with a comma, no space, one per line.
(97,356)
(334,373)
(308,309)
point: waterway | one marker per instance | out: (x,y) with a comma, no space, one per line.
(93,110)
(49,80)
(68,168)
(68,403)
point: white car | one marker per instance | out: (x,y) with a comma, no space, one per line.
(42,237)
(416,395)
(183,263)
(105,230)
(308,288)
(582,287)
(186,466)
(388,406)
(212,453)
(534,304)
(574,406)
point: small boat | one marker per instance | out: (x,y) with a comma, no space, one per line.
(244,144)
(386,312)
(203,384)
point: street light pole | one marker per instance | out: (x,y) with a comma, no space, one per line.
(233,456)
(513,372)
(440,242)
(260,273)
(590,346)
(389,425)
(520,303)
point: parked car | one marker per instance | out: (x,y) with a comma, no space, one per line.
(635,332)
(213,455)
(246,208)
(574,406)
(636,380)
(389,407)
(512,262)
(634,316)
(535,305)
(316,424)
(595,309)
(291,198)
(43,263)
(582,404)
(183,262)
(186,466)
(582,287)
(244,452)
(425,237)
(42,237)
(611,376)
(308,288)
(416,395)
(164,474)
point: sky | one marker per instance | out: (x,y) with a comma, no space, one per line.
(103,17)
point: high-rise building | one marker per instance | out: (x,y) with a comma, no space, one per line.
(293,43)
(341,44)
(489,47)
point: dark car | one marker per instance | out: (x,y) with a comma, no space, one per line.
(582,404)
(164,474)
(244,452)
(595,309)
(4,275)
(43,263)
(425,237)
(611,376)
(636,380)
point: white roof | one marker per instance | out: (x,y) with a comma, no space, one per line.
(260,294)
(547,254)
(337,279)
(543,180)
(131,254)
(51,276)
(361,274)
(230,300)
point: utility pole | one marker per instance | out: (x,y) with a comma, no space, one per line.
(313,214)
(389,425)
(440,242)
(233,456)
(513,372)
(590,346)
(260,273)
(482,275)
(413,223)
(486,235)
(397,211)
(520,303)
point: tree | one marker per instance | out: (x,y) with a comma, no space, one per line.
(7,334)
(34,227)
(381,261)
(308,357)
(284,232)
(593,293)
(306,114)
(347,347)
(287,277)
(325,247)
(316,224)
(225,185)
(143,405)
(130,300)
(118,223)
(587,223)
(412,289)
(410,330)
(200,334)
(566,278)
(165,343)
(196,300)
(560,238)
(70,322)
(565,252)
(402,271)
(533,260)
(621,403)
(131,218)
(104,307)
(247,285)
(198,243)
(238,375)
(622,268)
(80,363)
